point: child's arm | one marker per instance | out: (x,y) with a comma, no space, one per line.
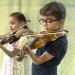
(10,53)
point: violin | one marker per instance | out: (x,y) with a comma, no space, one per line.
(42,40)
(15,35)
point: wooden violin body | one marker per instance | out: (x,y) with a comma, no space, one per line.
(42,40)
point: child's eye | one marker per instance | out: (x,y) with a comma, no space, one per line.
(12,23)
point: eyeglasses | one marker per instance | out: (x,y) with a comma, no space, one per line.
(47,21)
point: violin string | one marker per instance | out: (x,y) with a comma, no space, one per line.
(39,34)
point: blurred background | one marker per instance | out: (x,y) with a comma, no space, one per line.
(30,8)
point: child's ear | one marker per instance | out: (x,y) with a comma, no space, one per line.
(61,22)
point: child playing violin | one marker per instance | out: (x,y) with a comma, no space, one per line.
(48,57)
(10,65)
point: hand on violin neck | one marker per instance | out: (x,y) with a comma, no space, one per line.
(26,48)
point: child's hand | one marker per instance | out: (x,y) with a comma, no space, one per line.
(26,47)
(22,54)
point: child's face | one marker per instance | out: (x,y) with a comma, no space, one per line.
(13,23)
(50,23)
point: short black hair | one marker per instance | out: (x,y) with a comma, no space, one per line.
(54,8)
(19,16)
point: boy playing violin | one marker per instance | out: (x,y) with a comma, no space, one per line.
(48,57)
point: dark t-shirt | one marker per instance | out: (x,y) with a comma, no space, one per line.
(58,49)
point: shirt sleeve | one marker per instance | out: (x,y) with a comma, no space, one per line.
(55,48)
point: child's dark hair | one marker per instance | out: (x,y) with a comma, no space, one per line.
(19,16)
(54,8)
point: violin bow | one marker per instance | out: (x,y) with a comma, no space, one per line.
(41,34)
(12,32)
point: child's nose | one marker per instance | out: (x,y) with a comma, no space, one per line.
(45,25)
(10,26)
